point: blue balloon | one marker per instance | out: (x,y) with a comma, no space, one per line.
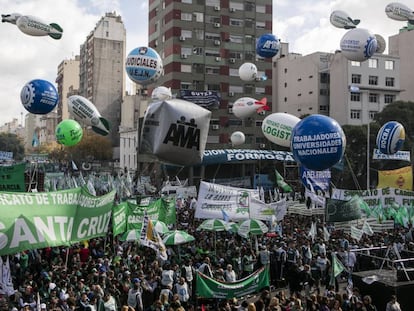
(267,45)
(390,137)
(39,96)
(144,65)
(318,142)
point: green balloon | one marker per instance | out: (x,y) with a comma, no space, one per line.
(68,132)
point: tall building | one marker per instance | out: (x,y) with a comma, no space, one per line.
(67,84)
(203,44)
(102,74)
(328,83)
(402,46)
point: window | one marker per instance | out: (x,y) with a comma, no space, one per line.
(236,55)
(235,89)
(210,70)
(285,70)
(214,53)
(186,16)
(258,123)
(324,77)
(373,80)
(323,108)
(355,64)
(389,81)
(185,85)
(373,98)
(355,97)
(389,98)
(235,122)
(372,114)
(356,78)
(260,90)
(372,63)
(249,6)
(355,114)
(212,19)
(186,51)
(213,87)
(236,22)
(197,51)
(185,68)
(237,5)
(324,92)
(212,36)
(199,17)
(199,34)
(213,2)
(187,1)
(236,39)
(260,25)
(260,9)
(234,72)
(186,33)
(389,65)
(285,84)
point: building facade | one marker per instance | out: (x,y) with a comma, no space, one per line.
(67,84)
(102,73)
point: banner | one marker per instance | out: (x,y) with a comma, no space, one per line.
(338,210)
(399,155)
(150,238)
(315,180)
(119,218)
(206,99)
(401,178)
(267,212)
(375,197)
(48,219)
(6,155)
(207,287)
(220,156)
(12,178)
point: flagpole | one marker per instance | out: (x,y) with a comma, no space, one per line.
(368,146)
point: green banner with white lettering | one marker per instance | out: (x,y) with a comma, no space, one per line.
(207,287)
(12,178)
(38,220)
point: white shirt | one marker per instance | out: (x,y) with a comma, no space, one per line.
(230,276)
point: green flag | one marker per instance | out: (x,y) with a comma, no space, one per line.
(282,183)
(337,268)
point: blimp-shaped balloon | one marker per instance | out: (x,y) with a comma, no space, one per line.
(318,142)
(358,44)
(248,72)
(33,26)
(246,106)
(390,137)
(399,12)
(144,65)
(277,127)
(341,19)
(85,112)
(237,138)
(161,93)
(39,96)
(267,46)
(175,131)
(68,132)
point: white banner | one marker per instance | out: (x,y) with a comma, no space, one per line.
(216,200)
(375,197)
(399,155)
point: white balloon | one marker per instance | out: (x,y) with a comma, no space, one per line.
(358,44)
(237,138)
(278,127)
(161,93)
(245,107)
(248,72)
(341,19)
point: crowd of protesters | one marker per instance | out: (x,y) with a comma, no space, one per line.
(106,274)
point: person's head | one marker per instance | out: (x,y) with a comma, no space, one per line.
(367,300)
(229,267)
(393,298)
(251,307)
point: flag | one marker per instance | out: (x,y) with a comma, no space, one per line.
(366,228)
(326,234)
(281,183)
(226,217)
(312,231)
(74,166)
(151,238)
(356,233)
(261,193)
(337,268)
(35,140)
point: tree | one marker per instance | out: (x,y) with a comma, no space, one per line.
(12,143)
(91,147)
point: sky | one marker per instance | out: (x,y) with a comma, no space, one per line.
(304,24)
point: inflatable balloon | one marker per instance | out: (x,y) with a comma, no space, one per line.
(68,132)
(267,46)
(87,113)
(381,44)
(390,137)
(318,142)
(33,26)
(161,93)
(358,44)
(39,96)
(248,72)
(278,128)
(341,19)
(400,12)
(237,138)
(175,131)
(246,106)
(144,65)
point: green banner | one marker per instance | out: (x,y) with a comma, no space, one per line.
(119,218)
(12,178)
(339,210)
(38,220)
(207,287)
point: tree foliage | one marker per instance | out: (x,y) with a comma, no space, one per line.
(12,143)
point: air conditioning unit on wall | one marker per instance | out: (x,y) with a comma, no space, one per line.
(215,126)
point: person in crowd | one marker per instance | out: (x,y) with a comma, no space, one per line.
(181,289)
(135,295)
(368,305)
(248,262)
(230,274)
(393,304)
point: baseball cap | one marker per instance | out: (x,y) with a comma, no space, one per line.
(42,306)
